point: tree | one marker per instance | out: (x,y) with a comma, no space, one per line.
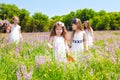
(102,13)
(42,21)
(24,17)
(105,23)
(8,11)
(101,20)
(85,14)
(67,19)
(115,20)
(95,22)
(53,20)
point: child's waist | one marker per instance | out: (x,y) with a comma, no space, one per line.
(77,41)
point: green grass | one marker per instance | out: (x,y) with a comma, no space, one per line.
(99,63)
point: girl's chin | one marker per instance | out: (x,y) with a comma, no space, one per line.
(58,34)
(73,29)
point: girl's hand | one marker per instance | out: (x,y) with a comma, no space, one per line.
(49,45)
(50,41)
(68,53)
(93,41)
(69,57)
(22,38)
(86,49)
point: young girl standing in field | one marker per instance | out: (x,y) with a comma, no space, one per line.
(58,38)
(89,33)
(15,34)
(78,39)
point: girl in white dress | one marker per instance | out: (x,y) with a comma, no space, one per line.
(59,41)
(89,33)
(15,34)
(78,39)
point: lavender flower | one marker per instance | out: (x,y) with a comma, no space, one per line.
(24,70)
(116,45)
(113,59)
(18,73)
(17,52)
(25,75)
(40,60)
(111,50)
(106,42)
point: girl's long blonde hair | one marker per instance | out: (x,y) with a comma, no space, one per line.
(77,22)
(89,28)
(15,17)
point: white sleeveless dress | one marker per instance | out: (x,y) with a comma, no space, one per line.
(89,38)
(14,35)
(77,45)
(59,49)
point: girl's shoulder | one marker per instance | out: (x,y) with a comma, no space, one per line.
(82,32)
(91,29)
(51,38)
(56,37)
(18,26)
(12,25)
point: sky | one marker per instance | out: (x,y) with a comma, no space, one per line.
(62,7)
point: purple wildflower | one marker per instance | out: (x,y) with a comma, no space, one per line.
(113,59)
(23,70)
(17,51)
(116,45)
(40,60)
(111,50)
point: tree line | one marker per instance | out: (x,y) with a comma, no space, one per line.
(101,20)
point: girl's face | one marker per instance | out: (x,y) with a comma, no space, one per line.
(15,20)
(86,24)
(58,30)
(74,26)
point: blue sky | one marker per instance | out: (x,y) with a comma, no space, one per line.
(61,7)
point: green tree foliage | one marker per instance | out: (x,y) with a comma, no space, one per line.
(115,20)
(7,11)
(101,20)
(54,19)
(24,17)
(85,14)
(41,21)
(67,19)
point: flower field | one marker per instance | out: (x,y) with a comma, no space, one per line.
(33,60)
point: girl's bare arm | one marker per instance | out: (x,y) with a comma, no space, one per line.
(21,37)
(92,33)
(85,41)
(49,42)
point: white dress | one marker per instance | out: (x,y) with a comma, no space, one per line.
(14,35)
(59,49)
(89,38)
(77,45)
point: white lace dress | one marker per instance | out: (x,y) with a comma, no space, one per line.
(59,49)
(89,38)
(77,45)
(14,35)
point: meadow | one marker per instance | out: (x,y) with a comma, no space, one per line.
(31,59)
